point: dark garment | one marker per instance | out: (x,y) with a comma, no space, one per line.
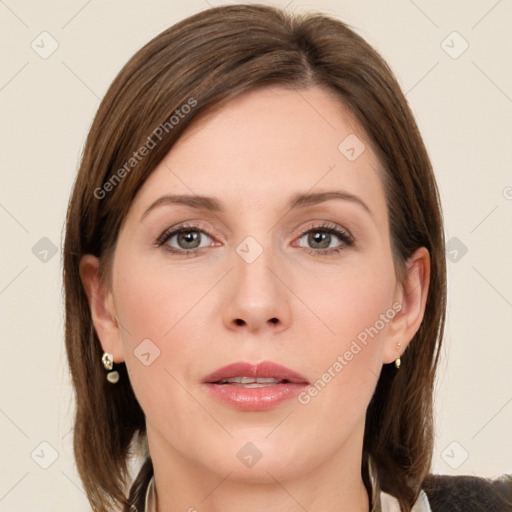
(469,493)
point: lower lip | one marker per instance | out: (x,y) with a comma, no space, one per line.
(255,399)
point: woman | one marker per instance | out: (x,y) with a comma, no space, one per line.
(255,277)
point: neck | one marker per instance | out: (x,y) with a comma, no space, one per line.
(336,485)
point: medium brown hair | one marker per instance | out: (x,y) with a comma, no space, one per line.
(210,58)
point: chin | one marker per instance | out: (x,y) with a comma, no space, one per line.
(256,459)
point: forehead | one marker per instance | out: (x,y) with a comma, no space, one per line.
(265,145)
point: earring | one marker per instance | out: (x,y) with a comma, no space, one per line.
(108,363)
(397,360)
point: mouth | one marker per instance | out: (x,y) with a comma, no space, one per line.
(265,373)
(254,387)
(251,382)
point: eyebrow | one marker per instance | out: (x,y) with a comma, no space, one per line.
(214,205)
(309,199)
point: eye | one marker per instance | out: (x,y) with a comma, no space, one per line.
(184,239)
(322,239)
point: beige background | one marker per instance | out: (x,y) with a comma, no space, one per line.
(463,106)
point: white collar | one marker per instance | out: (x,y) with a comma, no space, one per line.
(390,503)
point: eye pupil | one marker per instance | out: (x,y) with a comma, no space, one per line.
(320,238)
(190,238)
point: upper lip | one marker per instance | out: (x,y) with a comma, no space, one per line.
(265,369)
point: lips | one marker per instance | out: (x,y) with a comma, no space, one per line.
(243,373)
(254,387)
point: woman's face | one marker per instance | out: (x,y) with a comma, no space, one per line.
(261,277)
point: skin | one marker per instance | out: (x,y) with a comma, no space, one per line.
(253,155)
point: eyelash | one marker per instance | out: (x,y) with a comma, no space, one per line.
(346,238)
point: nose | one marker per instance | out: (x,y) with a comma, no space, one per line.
(258,300)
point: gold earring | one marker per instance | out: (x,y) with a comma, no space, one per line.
(397,360)
(108,363)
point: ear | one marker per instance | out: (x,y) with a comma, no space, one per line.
(101,303)
(411,294)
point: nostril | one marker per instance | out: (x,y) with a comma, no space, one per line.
(274,320)
(239,321)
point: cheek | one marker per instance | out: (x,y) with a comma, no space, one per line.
(355,304)
(153,302)
(155,313)
(346,362)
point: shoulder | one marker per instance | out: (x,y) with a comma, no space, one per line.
(466,493)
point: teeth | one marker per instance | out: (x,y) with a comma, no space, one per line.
(250,381)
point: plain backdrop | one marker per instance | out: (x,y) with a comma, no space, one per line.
(452,60)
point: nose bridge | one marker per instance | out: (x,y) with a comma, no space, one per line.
(258,296)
